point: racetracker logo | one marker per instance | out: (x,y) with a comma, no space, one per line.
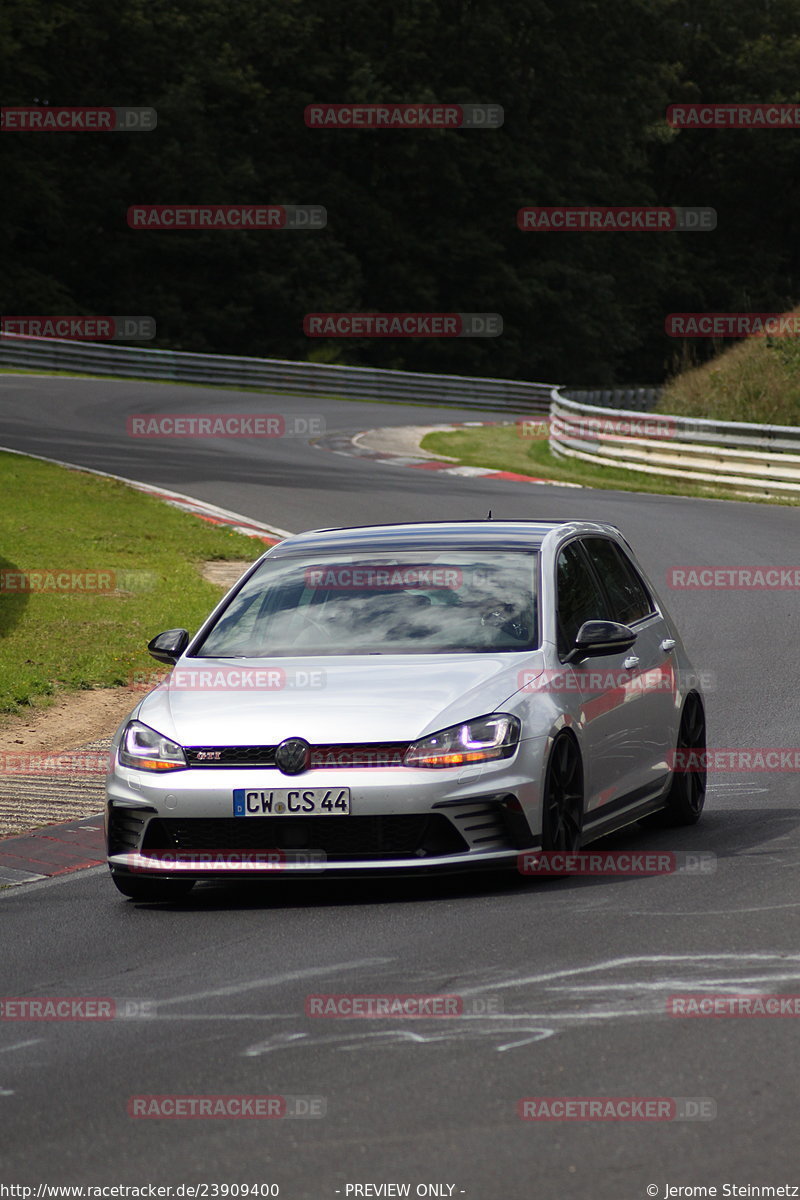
(57,1008)
(734,116)
(595,218)
(616,1108)
(402,325)
(615,862)
(709,1004)
(391,578)
(567,681)
(592,428)
(220,1108)
(731,325)
(225,860)
(781,579)
(758,758)
(227,216)
(35,119)
(403,116)
(69,763)
(593,680)
(62,582)
(222,425)
(95,329)
(54,580)
(229,679)
(356,1007)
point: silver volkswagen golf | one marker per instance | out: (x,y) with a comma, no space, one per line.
(399,698)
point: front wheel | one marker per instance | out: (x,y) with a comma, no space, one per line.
(687,792)
(562,810)
(152,889)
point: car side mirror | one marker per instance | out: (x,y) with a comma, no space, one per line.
(596,638)
(169,646)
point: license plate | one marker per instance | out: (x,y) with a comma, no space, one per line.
(291,802)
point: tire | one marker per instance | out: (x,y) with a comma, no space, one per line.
(562,802)
(687,791)
(152,889)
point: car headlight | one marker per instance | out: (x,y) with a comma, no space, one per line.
(481,740)
(143,748)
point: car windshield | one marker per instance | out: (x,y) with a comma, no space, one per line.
(417,602)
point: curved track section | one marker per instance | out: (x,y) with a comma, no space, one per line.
(564,982)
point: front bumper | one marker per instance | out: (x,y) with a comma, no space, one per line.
(402,820)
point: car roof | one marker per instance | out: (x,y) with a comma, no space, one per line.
(521,533)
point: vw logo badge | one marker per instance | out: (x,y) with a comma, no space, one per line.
(292,756)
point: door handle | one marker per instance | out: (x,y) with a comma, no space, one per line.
(632,661)
(668,644)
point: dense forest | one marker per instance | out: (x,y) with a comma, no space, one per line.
(417,220)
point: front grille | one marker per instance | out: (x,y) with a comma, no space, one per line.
(368,837)
(230,756)
(125,827)
(366,754)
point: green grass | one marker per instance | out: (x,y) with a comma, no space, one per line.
(503,448)
(757,379)
(54,519)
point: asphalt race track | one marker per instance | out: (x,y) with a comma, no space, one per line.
(565,981)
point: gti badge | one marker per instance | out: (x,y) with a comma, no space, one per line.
(293,756)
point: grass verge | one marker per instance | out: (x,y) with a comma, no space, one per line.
(503,448)
(139,561)
(757,379)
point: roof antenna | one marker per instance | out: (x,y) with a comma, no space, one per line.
(489,515)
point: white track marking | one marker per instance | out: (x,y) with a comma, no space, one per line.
(235,989)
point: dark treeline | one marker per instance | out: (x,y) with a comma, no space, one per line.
(417,221)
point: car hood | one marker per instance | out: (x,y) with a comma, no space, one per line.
(330,700)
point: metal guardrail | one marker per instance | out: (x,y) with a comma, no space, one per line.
(274,375)
(642,399)
(749,459)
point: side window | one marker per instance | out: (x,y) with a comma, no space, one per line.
(626,592)
(578,598)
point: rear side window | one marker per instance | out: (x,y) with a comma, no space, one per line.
(579,598)
(626,592)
